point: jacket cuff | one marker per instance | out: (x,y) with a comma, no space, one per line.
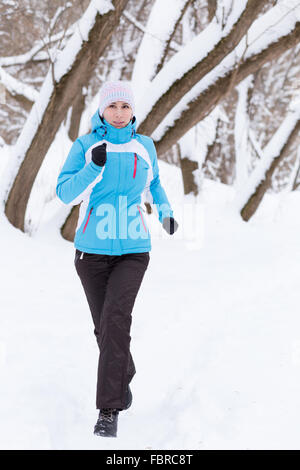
(95,166)
(164,210)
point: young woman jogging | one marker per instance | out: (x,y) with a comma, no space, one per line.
(107,171)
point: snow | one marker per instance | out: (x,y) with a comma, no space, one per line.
(276,22)
(214,334)
(241,131)
(184,60)
(296,166)
(82,28)
(206,134)
(5,154)
(268,28)
(154,42)
(88,112)
(175,68)
(15,87)
(18,151)
(57,14)
(44,186)
(271,151)
(62,64)
(229,11)
(35,51)
(215,324)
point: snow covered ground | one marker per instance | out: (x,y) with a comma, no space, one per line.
(215,335)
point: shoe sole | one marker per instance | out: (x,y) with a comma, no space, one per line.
(130,401)
(104,435)
(128,404)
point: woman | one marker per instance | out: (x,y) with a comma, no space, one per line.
(108,171)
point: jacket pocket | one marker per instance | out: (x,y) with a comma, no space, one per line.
(87,220)
(77,255)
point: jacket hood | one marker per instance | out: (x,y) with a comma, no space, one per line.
(111,133)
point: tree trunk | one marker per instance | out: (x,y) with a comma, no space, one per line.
(64,93)
(295,184)
(187,167)
(69,227)
(212,8)
(77,110)
(253,202)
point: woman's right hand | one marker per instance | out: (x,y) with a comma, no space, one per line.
(170,225)
(99,154)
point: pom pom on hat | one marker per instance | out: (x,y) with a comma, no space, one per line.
(115,91)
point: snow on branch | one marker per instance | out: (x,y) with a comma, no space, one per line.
(182,62)
(142,28)
(241,133)
(270,152)
(36,51)
(82,28)
(266,30)
(60,10)
(160,26)
(15,87)
(228,12)
(61,66)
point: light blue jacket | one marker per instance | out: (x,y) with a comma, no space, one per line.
(111,219)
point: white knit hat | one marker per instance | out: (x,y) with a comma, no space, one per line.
(115,91)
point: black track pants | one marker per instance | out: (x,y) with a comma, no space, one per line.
(111,284)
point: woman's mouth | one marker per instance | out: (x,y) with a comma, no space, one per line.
(118,123)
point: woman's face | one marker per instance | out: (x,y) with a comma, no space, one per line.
(118,114)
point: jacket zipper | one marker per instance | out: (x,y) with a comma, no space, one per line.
(142,218)
(135,162)
(87,219)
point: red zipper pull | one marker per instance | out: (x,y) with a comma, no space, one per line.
(135,161)
(87,219)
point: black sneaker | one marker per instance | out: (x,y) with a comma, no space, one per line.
(107,423)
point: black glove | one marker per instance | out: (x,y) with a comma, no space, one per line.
(170,225)
(99,155)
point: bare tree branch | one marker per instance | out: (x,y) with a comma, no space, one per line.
(212,7)
(173,46)
(17,88)
(35,50)
(255,199)
(168,43)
